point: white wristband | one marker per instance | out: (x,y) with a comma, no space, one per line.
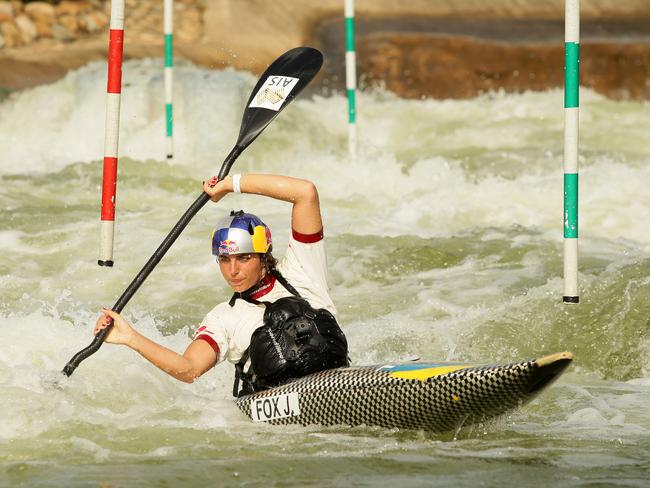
(236,183)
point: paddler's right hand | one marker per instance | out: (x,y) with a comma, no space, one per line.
(217,189)
(121,333)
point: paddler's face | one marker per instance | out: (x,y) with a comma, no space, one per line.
(241,271)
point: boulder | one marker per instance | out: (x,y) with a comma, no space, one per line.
(61,33)
(416,65)
(43,28)
(93,21)
(11,34)
(27,28)
(40,11)
(70,22)
(73,8)
(6,11)
(188,32)
(17,6)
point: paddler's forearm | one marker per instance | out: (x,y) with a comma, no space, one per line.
(303,194)
(285,188)
(165,359)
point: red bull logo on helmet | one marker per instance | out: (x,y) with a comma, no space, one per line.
(269,240)
(228,247)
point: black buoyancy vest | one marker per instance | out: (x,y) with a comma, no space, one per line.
(295,340)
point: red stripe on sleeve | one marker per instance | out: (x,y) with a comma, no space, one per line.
(211,341)
(307,238)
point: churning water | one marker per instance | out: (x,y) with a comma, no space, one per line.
(444,242)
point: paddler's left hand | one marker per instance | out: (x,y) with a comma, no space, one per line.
(217,189)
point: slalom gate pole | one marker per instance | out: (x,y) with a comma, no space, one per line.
(112,132)
(571,124)
(351,76)
(169,62)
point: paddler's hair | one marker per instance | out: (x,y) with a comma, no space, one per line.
(268,261)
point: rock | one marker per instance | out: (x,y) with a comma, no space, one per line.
(188,32)
(446,48)
(83,24)
(6,11)
(40,11)
(43,28)
(191,15)
(11,33)
(619,71)
(73,8)
(70,22)
(61,33)
(416,65)
(27,28)
(93,21)
(150,37)
(18,7)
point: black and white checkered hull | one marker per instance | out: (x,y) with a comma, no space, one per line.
(431,397)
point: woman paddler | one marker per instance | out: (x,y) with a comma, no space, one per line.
(279,324)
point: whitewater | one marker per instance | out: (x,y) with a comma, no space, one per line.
(444,240)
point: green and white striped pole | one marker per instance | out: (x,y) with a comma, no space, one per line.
(571,123)
(169,62)
(351,76)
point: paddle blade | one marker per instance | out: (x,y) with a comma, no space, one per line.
(278,85)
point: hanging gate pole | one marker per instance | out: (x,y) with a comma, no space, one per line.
(571,124)
(112,132)
(350,75)
(169,63)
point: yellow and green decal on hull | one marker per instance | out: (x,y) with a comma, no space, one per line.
(423,371)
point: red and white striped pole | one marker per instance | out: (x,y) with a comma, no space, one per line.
(111,135)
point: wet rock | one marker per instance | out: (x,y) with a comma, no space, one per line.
(27,28)
(462,58)
(619,71)
(2,41)
(413,66)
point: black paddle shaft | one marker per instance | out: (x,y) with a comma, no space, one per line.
(294,69)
